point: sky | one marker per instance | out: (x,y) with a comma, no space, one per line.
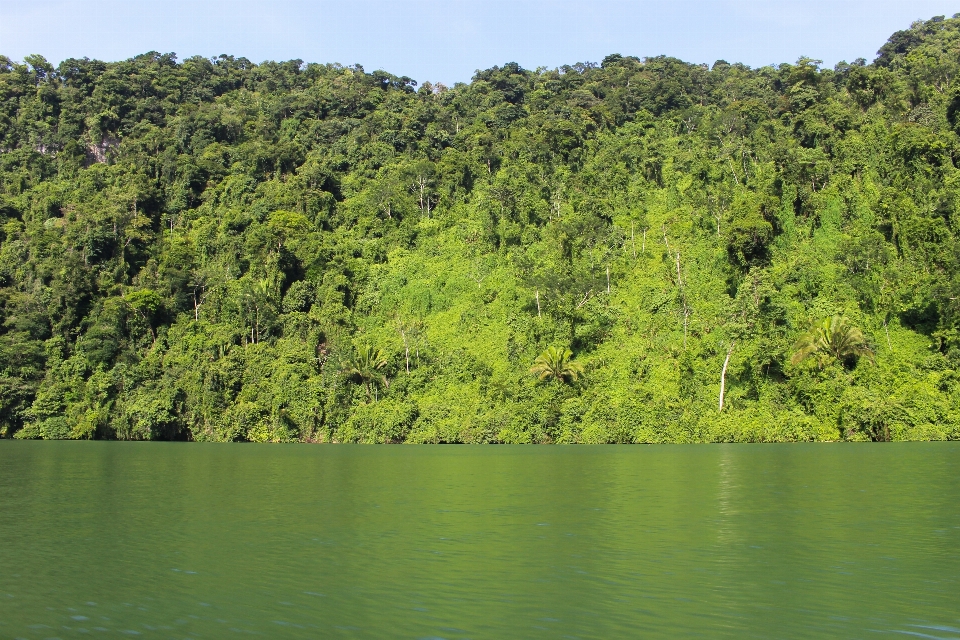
(448,40)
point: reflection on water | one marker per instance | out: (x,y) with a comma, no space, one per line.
(735,541)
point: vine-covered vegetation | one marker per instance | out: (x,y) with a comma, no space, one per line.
(642,250)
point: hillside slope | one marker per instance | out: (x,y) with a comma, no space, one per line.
(217,250)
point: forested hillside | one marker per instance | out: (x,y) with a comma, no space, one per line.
(219,250)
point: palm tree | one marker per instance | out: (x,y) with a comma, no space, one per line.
(365,368)
(832,338)
(556,364)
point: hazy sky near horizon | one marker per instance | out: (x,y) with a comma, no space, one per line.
(447,40)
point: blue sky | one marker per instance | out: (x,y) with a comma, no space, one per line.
(448,40)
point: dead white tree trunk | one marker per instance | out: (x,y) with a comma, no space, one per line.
(733,171)
(421,185)
(198,302)
(723,374)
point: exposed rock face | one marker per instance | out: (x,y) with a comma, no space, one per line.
(100,151)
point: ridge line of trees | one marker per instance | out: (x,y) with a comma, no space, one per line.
(641,250)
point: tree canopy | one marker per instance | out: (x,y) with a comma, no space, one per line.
(212,249)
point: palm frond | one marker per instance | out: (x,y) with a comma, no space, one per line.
(833,338)
(557,364)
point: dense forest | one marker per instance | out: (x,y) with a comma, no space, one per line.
(640,250)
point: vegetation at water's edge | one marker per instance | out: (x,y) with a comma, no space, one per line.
(217,250)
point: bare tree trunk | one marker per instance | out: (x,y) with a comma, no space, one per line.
(683,299)
(735,178)
(538,303)
(197,304)
(406,348)
(723,374)
(643,250)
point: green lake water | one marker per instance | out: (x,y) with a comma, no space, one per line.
(177,540)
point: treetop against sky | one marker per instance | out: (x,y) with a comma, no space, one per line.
(448,40)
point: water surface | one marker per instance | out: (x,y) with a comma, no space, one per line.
(177,540)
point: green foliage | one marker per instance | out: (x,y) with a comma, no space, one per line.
(365,368)
(388,421)
(207,249)
(832,339)
(555,364)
